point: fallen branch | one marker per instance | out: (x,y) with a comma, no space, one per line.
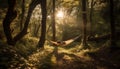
(103,37)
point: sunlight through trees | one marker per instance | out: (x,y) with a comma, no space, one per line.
(59,34)
(60,14)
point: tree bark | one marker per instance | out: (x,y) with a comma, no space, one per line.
(33,4)
(112,25)
(22,15)
(84,16)
(43,24)
(91,19)
(37,30)
(10,16)
(53,21)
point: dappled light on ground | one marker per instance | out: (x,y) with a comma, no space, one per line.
(53,57)
(73,56)
(58,57)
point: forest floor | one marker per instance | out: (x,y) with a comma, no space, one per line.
(53,57)
(61,58)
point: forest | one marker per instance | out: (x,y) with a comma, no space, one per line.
(59,34)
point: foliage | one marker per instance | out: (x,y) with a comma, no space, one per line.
(15,57)
(26,55)
(27,46)
(9,58)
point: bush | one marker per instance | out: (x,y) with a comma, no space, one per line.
(26,46)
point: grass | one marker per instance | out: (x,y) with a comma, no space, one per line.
(57,57)
(26,46)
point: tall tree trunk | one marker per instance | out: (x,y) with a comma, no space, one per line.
(49,27)
(112,24)
(43,23)
(22,15)
(53,21)
(10,16)
(91,19)
(37,30)
(84,16)
(33,4)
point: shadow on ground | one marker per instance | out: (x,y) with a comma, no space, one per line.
(72,61)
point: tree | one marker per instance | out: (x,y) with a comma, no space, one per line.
(11,15)
(53,21)
(91,14)
(84,17)
(43,23)
(22,14)
(112,25)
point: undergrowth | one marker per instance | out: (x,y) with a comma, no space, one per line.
(25,55)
